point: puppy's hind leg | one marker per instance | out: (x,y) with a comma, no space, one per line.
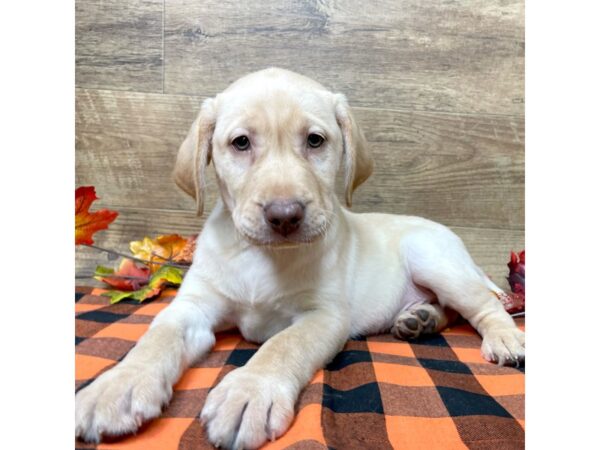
(440,262)
(425,318)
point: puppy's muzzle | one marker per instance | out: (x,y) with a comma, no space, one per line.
(284,216)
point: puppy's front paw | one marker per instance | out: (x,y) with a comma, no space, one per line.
(247,408)
(506,346)
(118,402)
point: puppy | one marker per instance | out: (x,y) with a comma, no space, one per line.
(280,259)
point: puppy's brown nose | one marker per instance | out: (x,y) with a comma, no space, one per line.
(284,216)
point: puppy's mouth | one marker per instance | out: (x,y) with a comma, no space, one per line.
(271,239)
(260,233)
(285,226)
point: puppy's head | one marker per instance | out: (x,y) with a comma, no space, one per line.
(277,140)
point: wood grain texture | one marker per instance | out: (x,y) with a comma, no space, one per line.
(460,170)
(119,44)
(455,56)
(490,248)
(437,87)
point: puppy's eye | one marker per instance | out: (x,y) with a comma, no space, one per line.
(241,143)
(315,140)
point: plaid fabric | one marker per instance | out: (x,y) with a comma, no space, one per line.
(378,393)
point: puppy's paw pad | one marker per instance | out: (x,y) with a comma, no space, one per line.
(505,346)
(422,314)
(411,324)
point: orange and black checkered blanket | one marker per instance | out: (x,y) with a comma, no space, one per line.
(378,393)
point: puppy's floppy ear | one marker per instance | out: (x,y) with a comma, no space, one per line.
(195,153)
(357,159)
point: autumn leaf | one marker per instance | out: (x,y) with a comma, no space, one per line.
(86,222)
(162,249)
(516,276)
(139,295)
(187,254)
(514,302)
(127,277)
(164,276)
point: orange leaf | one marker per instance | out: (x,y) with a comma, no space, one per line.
(86,222)
(163,249)
(187,253)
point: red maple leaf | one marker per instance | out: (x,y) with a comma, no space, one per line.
(514,301)
(86,222)
(516,276)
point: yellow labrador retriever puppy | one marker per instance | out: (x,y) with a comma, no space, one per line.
(281,259)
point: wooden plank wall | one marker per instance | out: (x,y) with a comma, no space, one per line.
(437,87)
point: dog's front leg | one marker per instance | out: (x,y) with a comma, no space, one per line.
(256,402)
(135,390)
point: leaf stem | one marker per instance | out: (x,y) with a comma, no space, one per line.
(124,255)
(124,277)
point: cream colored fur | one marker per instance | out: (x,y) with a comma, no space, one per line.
(342,274)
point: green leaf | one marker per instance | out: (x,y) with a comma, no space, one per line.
(102,271)
(164,276)
(117,296)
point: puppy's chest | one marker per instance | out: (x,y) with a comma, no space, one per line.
(258,323)
(256,287)
(266,297)
(255,281)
